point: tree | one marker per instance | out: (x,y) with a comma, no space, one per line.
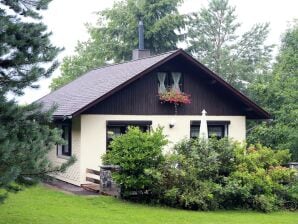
(213,40)
(278,93)
(115,35)
(26,135)
(24,45)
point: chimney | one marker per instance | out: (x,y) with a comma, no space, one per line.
(140,52)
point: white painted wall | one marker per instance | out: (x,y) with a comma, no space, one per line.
(93,132)
(72,174)
(89,138)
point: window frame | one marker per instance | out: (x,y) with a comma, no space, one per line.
(223,124)
(122,124)
(60,152)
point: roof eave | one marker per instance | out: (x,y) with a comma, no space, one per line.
(261,113)
(146,71)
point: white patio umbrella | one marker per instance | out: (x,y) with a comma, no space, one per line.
(203,127)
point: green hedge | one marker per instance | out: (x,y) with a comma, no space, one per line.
(200,175)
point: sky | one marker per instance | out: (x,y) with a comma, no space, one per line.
(66,19)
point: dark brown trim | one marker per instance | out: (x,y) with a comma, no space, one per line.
(224,125)
(146,71)
(68,125)
(120,123)
(198,122)
(244,98)
(262,113)
(124,124)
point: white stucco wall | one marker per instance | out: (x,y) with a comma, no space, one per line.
(93,132)
(72,174)
(89,138)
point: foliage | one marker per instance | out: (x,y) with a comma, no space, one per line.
(37,205)
(292,197)
(226,174)
(138,154)
(278,93)
(26,137)
(115,35)
(25,140)
(26,55)
(258,180)
(24,45)
(213,39)
(200,175)
(194,172)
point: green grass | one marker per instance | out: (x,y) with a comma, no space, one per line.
(41,205)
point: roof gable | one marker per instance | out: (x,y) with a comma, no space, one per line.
(96,85)
(80,93)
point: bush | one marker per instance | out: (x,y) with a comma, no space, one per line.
(225,174)
(193,173)
(200,175)
(139,154)
(258,180)
(291,198)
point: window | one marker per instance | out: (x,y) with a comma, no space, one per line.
(65,150)
(117,128)
(219,129)
(170,80)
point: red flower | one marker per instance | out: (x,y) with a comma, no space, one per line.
(175,97)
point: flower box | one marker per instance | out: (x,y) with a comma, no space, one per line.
(174,97)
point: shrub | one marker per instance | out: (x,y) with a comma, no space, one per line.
(265,203)
(139,154)
(225,174)
(202,175)
(258,180)
(291,198)
(193,173)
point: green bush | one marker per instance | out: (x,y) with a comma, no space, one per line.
(139,154)
(200,175)
(225,174)
(291,198)
(193,173)
(258,180)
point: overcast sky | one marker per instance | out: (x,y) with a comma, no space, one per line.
(66,19)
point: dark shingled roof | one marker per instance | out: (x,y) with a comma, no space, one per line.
(85,91)
(95,84)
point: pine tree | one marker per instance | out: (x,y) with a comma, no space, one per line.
(213,40)
(26,133)
(115,35)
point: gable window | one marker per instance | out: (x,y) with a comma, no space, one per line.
(219,129)
(118,128)
(170,81)
(65,149)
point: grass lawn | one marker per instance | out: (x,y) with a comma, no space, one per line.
(41,205)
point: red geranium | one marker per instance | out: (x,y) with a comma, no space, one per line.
(175,97)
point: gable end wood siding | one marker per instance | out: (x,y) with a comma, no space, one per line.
(95,86)
(141,97)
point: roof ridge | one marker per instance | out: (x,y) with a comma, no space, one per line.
(138,59)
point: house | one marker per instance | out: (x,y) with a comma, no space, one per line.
(99,105)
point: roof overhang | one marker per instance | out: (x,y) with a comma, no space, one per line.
(260,112)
